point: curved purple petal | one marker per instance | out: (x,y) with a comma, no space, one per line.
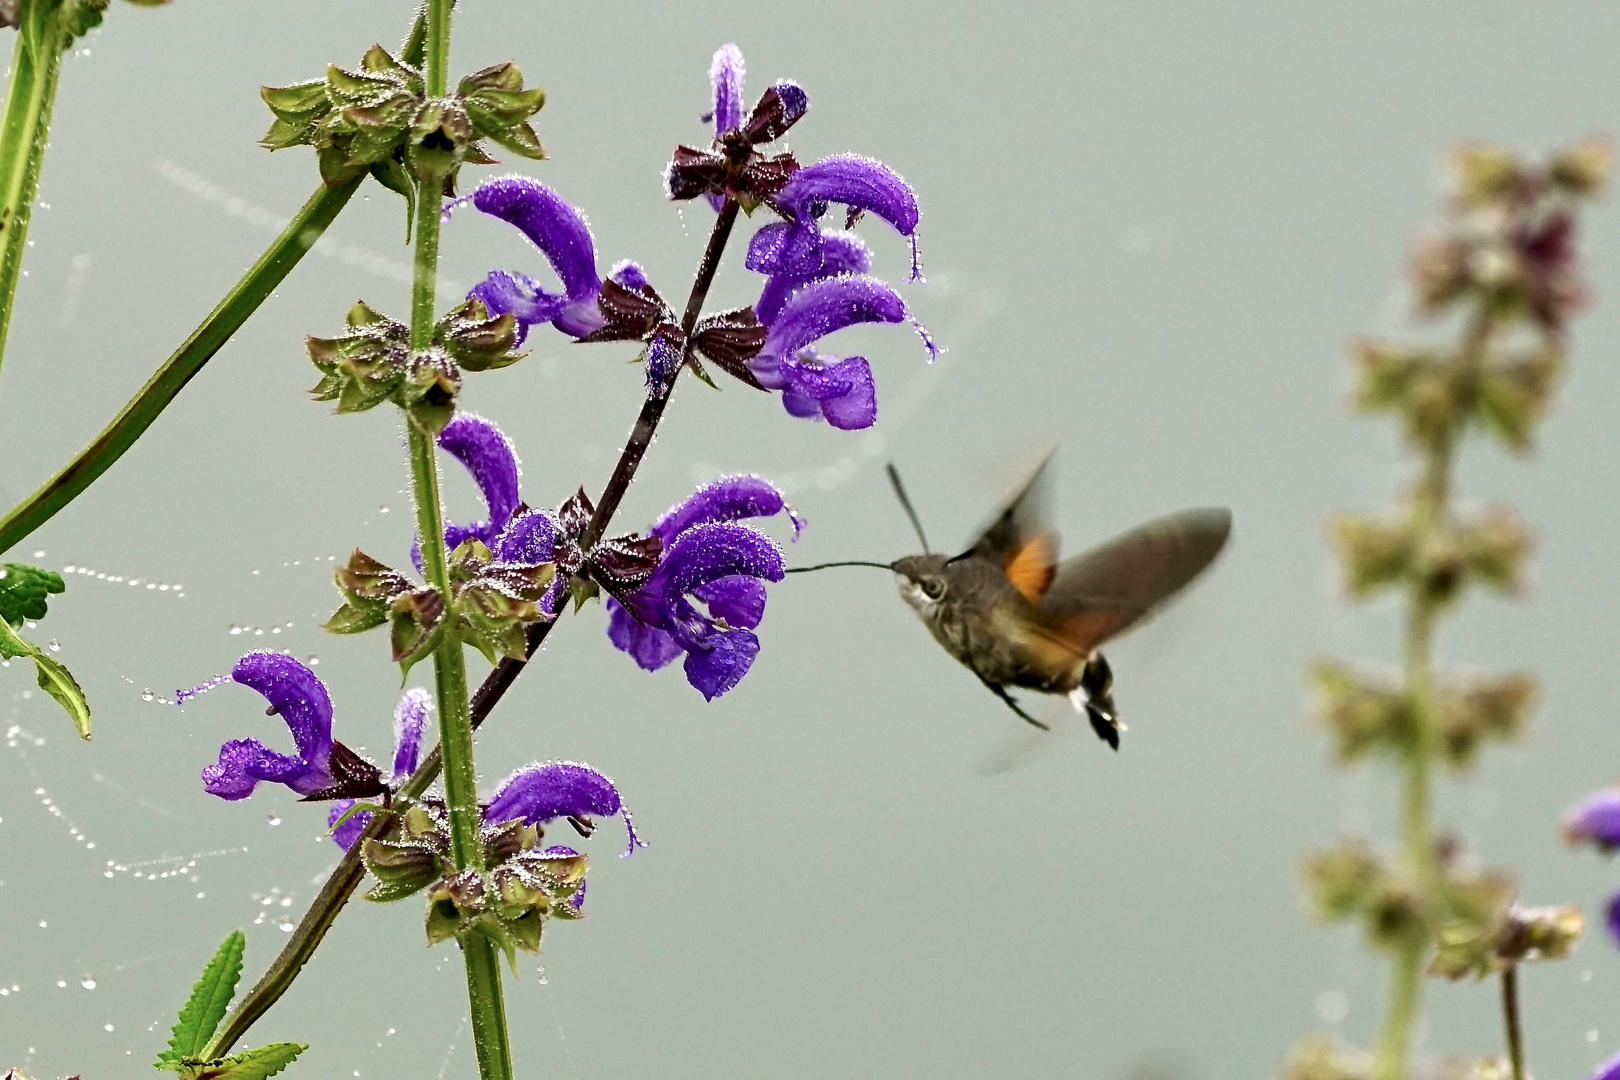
(561,234)
(528,539)
(554,789)
(410,717)
(1610,1069)
(298,697)
(244,763)
(507,291)
(841,253)
(650,647)
(713,550)
(347,833)
(488,455)
(821,308)
(861,184)
(721,663)
(843,392)
(792,248)
(1595,820)
(729,498)
(739,600)
(726,84)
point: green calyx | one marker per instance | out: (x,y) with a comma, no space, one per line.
(372,361)
(378,117)
(519,886)
(492,604)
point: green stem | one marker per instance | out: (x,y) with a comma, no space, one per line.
(1510,1018)
(35,67)
(449,661)
(132,421)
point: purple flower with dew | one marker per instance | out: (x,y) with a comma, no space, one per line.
(712,558)
(322,767)
(563,237)
(559,789)
(732,166)
(796,246)
(515,534)
(1609,1070)
(410,719)
(800,313)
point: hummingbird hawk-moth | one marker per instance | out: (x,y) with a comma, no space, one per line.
(1015,616)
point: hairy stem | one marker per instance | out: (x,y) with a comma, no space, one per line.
(210,336)
(35,66)
(344,880)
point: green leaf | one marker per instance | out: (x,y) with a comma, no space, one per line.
(12,645)
(209,998)
(23,590)
(353,618)
(258,1064)
(59,682)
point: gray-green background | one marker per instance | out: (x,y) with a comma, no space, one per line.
(1150,231)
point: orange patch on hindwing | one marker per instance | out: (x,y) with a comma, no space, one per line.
(1033,566)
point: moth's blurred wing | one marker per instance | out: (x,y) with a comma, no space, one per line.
(1021,540)
(1105,591)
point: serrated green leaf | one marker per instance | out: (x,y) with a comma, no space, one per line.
(206,1007)
(23,589)
(258,1064)
(59,682)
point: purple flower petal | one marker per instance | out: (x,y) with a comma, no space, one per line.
(824,307)
(1609,1070)
(528,539)
(726,83)
(297,696)
(347,833)
(410,717)
(740,600)
(488,455)
(561,234)
(844,392)
(722,662)
(651,647)
(554,789)
(730,498)
(841,253)
(706,553)
(861,184)
(794,249)
(1595,820)
(507,291)
(244,763)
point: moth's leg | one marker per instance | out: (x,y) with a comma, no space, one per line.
(1001,692)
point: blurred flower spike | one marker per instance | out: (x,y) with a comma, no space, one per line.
(1595,820)
(322,768)
(709,556)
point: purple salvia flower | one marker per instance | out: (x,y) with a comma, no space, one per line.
(709,556)
(1595,820)
(488,455)
(410,718)
(563,237)
(726,83)
(859,183)
(558,789)
(732,166)
(300,699)
(841,253)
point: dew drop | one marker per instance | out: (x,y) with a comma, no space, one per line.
(235,629)
(54,646)
(106,1027)
(381,510)
(274,819)
(1592,1035)
(313,660)
(147,695)
(88,982)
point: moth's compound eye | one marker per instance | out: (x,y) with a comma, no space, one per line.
(933,588)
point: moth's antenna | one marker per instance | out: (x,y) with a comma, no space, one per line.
(827,565)
(905,503)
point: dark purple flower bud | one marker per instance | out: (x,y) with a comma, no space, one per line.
(561,234)
(410,717)
(665,351)
(558,789)
(528,540)
(300,699)
(1595,820)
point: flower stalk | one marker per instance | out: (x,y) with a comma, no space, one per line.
(36,65)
